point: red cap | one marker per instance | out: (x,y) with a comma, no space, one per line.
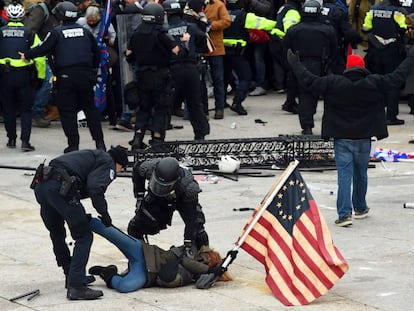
(355,61)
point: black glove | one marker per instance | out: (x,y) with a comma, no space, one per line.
(106,219)
(292,58)
(188,249)
(232,254)
(217,270)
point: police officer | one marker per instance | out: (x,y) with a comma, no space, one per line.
(334,14)
(317,45)
(386,23)
(68,179)
(17,77)
(235,41)
(170,188)
(184,70)
(287,16)
(76,58)
(151,48)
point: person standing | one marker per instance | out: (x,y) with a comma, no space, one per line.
(317,46)
(68,179)
(386,23)
(151,49)
(75,58)
(17,76)
(218,19)
(184,69)
(354,106)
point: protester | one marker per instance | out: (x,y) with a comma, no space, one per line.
(149,265)
(353,112)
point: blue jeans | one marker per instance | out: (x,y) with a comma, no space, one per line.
(42,96)
(132,249)
(217,73)
(259,61)
(352,159)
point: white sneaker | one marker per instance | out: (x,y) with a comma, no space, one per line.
(258,91)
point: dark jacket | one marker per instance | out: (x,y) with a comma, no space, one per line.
(354,101)
(95,170)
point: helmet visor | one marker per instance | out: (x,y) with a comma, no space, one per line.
(160,188)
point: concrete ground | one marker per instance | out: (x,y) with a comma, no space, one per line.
(379,249)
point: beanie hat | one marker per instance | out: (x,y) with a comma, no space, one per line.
(355,61)
(119,154)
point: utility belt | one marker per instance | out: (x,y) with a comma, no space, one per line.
(183,63)
(46,173)
(8,68)
(149,68)
(236,48)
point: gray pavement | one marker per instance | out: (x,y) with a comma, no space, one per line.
(379,249)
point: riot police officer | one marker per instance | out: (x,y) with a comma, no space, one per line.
(317,45)
(170,188)
(151,48)
(17,76)
(184,70)
(386,23)
(75,59)
(59,189)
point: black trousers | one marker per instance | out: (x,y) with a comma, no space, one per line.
(55,210)
(75,93)
(17,98)
(186,79)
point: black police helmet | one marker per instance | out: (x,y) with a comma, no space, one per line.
(311,8)
(119,154)
(165,176)
(172,6)
(153,13)
(66,11)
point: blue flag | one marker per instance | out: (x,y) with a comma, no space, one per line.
(100,87)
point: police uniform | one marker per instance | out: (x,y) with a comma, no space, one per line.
(317,44)
(91,172)
(386,24)
(235,40)
(332,13)
(75,60)
(185,72)
(156,212)
(151,49)
(287,16)
(16,80)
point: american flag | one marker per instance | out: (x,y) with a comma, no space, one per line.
(291,239)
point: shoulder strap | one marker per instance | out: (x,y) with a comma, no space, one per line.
(45,11)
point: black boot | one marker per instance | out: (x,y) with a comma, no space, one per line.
(83,293)
(106,273)
(238,108)
(136,142)
(100,145)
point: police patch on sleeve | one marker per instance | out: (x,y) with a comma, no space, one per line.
(111,174)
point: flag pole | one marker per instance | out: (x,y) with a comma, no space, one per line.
(263,205)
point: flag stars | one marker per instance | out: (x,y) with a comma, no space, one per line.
(280,195)
(298,207)
(302,199)
(291,183)
(279,205)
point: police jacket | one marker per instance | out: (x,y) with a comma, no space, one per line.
(316,43)
(184,198)
(94,169)
(237,34)
(338,18)
(157,258)
(177,27)
(151,46)
(287,16)
(71,46)
(386,21)
(15,38)
(353,102)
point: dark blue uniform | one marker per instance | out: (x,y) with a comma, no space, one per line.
(94,171)
(76,58)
